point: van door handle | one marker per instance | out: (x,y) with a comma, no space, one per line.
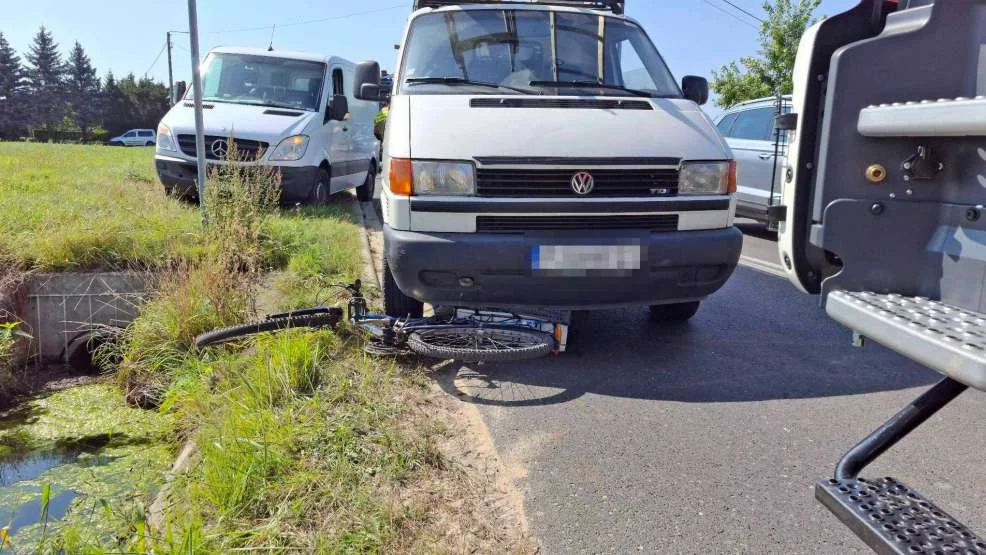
(766,156)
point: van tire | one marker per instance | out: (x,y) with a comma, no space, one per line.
(395,303)
(676,312)
(149,143)
(364,193)
(320,190)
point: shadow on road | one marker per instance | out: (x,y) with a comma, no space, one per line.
(758,339)
(756,229)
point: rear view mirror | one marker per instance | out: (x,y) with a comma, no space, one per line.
(695,88)
(367,73)
(337,109)
(179,91)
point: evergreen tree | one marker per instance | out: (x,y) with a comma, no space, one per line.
(45,80)
(116,114)
(12,113)
(82,87)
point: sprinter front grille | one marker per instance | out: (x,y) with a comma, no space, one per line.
(526,182)
(248,150)
(520,224)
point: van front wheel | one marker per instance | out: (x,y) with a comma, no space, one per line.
(365,191)
(320,191)
(395,302)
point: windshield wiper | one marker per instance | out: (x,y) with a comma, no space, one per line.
(590,84)
(462,81)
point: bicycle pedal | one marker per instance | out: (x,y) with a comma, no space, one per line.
(891,517)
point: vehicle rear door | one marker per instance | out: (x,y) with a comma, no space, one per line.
(130,138)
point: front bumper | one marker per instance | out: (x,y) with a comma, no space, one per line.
(676,266)
(178,177)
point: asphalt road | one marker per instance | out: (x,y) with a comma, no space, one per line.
(707,437)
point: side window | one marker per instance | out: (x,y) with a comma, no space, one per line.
(726,123)
(632,70)
(338,84)
(130,134)
(754,124)
(145,133)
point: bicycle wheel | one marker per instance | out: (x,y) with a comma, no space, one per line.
(475,344)
(222,335)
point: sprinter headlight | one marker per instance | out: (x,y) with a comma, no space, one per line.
(291,149)
(165,140)
(443,178)
(707,178)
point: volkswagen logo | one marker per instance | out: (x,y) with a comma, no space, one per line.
(219,148)
(582,183)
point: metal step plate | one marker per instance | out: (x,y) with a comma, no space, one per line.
(944,338)
(893,518)
(959,117)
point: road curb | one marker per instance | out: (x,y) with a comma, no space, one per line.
(369,224)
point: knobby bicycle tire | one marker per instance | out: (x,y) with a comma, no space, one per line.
(475,344)
(222,335)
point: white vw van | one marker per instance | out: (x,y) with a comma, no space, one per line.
(540,154)
(292,110)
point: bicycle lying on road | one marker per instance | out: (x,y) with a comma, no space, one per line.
(465,334)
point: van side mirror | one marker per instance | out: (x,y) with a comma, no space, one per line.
(337,109)
(695,88)
(179,91)
(367,73)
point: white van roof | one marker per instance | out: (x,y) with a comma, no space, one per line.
(285,54)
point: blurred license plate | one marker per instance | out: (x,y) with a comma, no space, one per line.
(586,257)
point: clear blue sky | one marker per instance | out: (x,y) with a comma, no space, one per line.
(126,35)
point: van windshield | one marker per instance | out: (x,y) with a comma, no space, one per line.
(262,81)
(564,53)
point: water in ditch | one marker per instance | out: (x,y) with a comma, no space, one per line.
(99,460)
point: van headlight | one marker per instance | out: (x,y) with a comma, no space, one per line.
(443,178)
(165,140)
(707,178)
(290,149)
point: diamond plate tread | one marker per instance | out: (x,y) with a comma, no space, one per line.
(945,338)
(893,518)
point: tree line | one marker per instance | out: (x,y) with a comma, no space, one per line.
(46,97)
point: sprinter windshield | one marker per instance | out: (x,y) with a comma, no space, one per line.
(263,81)
(547,52)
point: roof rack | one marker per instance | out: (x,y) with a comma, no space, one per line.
(615,6)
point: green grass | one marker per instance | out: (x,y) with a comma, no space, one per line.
(70,207)
(305,444)
(79,207)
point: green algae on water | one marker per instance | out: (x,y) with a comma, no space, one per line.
(103,460)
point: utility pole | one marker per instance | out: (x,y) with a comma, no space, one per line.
(193,32)
(171,75)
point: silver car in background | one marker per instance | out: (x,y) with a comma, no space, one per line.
(749,130)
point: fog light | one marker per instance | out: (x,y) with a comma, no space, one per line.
(466,282)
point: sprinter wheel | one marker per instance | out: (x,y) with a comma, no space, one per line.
(677,312)
(320,191)
(395,302)
(365,191)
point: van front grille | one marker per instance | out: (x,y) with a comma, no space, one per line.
(248,150)
(519,224)
(525,182)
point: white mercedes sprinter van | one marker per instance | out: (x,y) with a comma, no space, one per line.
(540,154)
(291,110)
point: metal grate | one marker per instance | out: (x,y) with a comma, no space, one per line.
(520,224)
(523,182)
(573,103)
(248,150)
(945,338)
(893,518)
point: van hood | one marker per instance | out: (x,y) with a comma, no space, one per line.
(467,127)
(240,120)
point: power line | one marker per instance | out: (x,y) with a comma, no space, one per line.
(731,14)
(158,57)
(744,11)
(306,22)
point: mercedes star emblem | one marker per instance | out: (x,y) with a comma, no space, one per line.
(219,148)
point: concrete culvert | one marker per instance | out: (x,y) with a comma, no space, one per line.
(79,354)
